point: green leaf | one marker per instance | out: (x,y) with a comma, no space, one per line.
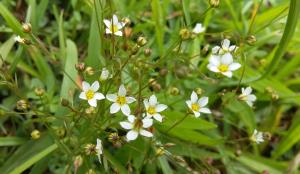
(118,166)
(11,141)
(157,17)
(11,21)
(28,154)
(6,47)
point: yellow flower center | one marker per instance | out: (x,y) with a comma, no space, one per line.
(223,68)
(195,107)
(113,28)
(121,100)
(151,110)
(89,94)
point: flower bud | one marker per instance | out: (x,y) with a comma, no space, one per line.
(90,71)
(251,40)
(77,162)
(64,102)
(214,3)
(184,34)
(141,41)
(163,72)
(174,91)
(39,91)
(90,110)
(199,91)
(267,136)
(35,134)
(126,21)
(160,151)
(80,66)
(26,27)
(90,171)
(22,105)
(127,32)
(156,87)
(135,49)
(147,52)
(22,40)
(59,131)
(90,149)
(238,152)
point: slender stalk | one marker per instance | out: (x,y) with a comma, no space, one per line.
(177,123)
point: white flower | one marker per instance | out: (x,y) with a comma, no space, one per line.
(104,74)
(120,101)
(247,96)
(113,26)
(99,149)
(198,28)
(136,127)
(197,105)
(257,137)
(225,47)
(223,64)
(153,108)
(90,93)
(19,39)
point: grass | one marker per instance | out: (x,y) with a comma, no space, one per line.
(47,128)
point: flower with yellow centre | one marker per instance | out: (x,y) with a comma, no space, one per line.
(153,108)
(247,96)
(225,48)
(198,105)
(120,101)
(90,93)
(113,26)
(136,127)
(223,64)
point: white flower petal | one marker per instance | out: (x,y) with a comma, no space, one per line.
(82,95)
(213,68)
(147,122)
(114,108)
(194,97)
(95,86)
(189,103)
(131,118)
(107,31)
(160,107)
(107,23)
(146,133)
(205,110)
(228,74)
(111,97)
(93,102)
(247,91)
(125,109)
(234,66)
(115,20)
(146,103)
(99,147)
(85,86)
(152,100)
(198,28)
(215,49)
(126,125)
(215,60)
(225,44)
(130,100)
(99,96)
(232,47)
(226,59)
(197,114)
(158,117)
(251,97)
(119,33)
(122,90)
(131,135)
(203,101)
(249,103)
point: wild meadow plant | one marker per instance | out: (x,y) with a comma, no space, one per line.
(104,86)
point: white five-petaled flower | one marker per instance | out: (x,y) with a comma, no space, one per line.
(99,149)
(257,137)
(113,26)
(153,108)
(120,101)
(247,96)
(198,28)
(90,93)
(223,64)
(104,74)
(225,47)
(136,127)
(197,105)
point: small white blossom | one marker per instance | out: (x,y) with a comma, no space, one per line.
(99,149)
(19,39)
(198,28)
(104,74)
(247,96)
(153,108)
(136,127)
(223,64)
(225,47)
(197,105)
(257,137)
(113,26)
(120,101)
(90,93)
